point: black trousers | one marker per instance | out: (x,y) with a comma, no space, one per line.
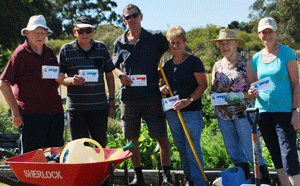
(88,124)
(40,131)
(280,138)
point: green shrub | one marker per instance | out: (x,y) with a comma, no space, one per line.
(253,46)
(108,34)
(117,116)
(5,55)
(57,44)
(214,152)
(297,54)
(6,125)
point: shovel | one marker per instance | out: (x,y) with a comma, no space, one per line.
(185,129)
(254,143)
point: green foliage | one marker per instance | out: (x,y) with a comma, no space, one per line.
(214,152)
(108,34)
(99,11)
(199,44)
(297,54)
(149,149)
(285,12)
(57,44)
(117,116)
(15,15)
(208,110)
(247,27)
(253,42)
(5,55)
(233,25)
(254,46)
(6,125)
(266,155)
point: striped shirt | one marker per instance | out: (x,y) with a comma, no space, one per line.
(91,95)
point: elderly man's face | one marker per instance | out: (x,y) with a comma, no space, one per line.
(37,37)
(84,35)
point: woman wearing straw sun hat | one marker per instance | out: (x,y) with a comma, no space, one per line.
(36,105)
(186,76)
(279,106)
(230,76)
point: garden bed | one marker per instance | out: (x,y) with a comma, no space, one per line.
(152,177)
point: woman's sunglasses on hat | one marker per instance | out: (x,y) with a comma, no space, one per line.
(81,31)
(134,15)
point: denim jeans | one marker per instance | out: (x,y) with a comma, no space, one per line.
(238,141)
(193,121)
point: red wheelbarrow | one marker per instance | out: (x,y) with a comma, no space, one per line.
(41,173)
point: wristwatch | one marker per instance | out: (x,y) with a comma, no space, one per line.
(191,98)
(296,109)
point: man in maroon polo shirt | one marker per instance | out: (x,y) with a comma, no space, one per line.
(35,103)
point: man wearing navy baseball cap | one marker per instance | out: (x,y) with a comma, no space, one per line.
(86,61)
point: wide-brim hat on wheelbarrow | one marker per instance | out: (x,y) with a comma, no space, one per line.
(227,34)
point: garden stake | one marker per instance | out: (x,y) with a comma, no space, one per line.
(254,143)
(184,127)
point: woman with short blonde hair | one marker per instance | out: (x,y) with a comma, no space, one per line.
(187,79)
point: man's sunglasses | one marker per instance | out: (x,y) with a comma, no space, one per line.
(87,30)
(134,15)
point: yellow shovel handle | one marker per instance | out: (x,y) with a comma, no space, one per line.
(184,126)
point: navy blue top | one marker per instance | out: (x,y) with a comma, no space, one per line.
(182,80)
(90,95)
(142,58)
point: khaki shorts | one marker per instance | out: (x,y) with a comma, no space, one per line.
(150,109)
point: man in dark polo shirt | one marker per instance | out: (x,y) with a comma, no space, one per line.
(136,56)
(35,103)
(85,61)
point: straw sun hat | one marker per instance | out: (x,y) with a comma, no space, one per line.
(227,34)
(34,22)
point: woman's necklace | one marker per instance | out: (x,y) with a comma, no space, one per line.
(175,66)
(176,63)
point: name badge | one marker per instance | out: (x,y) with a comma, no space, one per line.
(138,80)
(263,85)
(168,103)
(50,72)
(218,99)
(89,75)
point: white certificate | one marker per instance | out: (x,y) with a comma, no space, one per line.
(90,75)
(263,85)
(138,80)
(50,72)
(218,99)
(169,102)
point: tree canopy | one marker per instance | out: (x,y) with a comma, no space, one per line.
(287,15)
(68,10)
(15,15)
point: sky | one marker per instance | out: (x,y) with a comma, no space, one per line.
(189,14)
